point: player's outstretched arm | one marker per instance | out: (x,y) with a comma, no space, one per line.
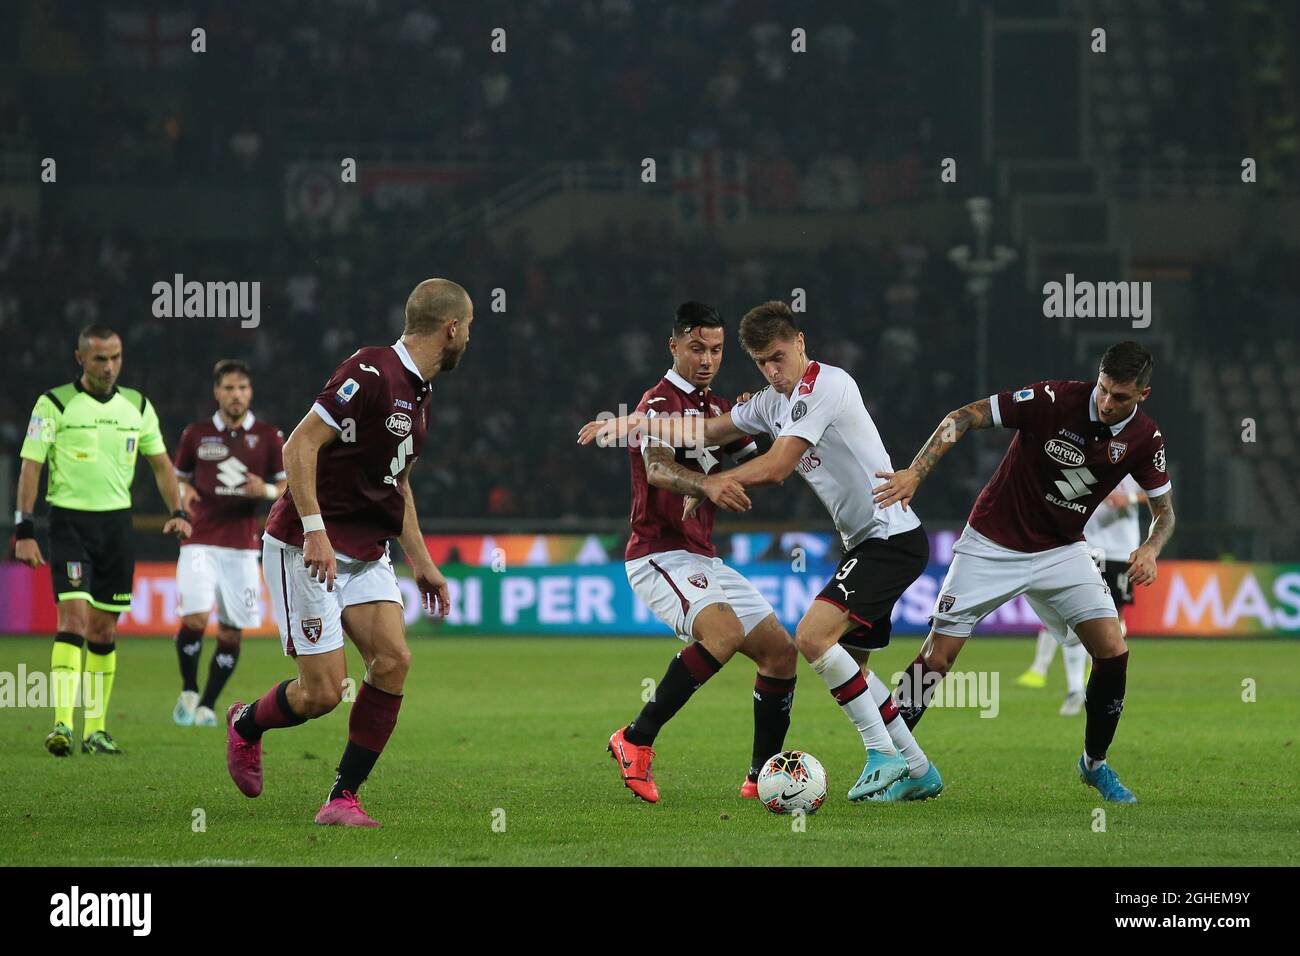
(26,549)
(675,430)
(902,485)
(164,476)
(433,586)
(300,454)
(663,471)
(774,465)
(1142,562)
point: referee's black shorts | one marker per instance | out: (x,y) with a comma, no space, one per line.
(870,579)
(92,557)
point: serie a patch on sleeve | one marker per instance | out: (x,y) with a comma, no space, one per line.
(1024,395)
(41,429)
(347,390)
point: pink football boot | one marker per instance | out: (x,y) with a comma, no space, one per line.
(344,811)
(243,758)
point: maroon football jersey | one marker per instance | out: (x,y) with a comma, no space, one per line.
(657,523)
(1061,465)
(378,403)
(217,459)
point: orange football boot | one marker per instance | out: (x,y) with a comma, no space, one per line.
(634,764)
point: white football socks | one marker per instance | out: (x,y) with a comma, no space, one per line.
(1043,653)
(837,668)
(903,740)
(1076,658)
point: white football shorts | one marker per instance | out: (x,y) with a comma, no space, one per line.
(309,617)
(1062,584)
(210,576)
(677,585)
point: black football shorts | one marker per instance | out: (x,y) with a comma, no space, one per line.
(92,557)
(871,578)
(1116,575)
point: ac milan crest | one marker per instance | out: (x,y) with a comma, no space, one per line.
(311,629)
(1116,451)
(699,580)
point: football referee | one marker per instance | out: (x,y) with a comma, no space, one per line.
(90,431)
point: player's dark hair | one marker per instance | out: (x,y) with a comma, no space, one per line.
(93,331)
(695,315)
(1128,362)
(765,324)
(226,367)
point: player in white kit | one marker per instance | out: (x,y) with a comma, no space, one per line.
(821,428)
(1112,534)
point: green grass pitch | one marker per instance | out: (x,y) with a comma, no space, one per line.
(519,725)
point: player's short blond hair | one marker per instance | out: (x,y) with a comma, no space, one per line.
(432,304)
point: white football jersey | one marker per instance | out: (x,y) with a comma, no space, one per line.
(826,410)
(1116,530)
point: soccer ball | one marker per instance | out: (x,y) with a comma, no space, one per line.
(791,782)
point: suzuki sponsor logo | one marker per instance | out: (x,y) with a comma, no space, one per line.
(231,475)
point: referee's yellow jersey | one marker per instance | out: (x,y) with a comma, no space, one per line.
(91,444)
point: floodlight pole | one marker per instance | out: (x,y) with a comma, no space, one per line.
(980,269)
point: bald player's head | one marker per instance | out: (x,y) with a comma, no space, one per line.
(439,313)
(433,303)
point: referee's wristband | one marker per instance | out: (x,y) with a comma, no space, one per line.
(312,523)
(24,530)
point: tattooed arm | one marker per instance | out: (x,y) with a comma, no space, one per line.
(1142,562)
(680,432)
(901,485)
(663,471)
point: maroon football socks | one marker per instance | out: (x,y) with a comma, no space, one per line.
(374,715)
(685,675)
(272,710)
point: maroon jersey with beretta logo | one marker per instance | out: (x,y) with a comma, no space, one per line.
(1061,465)
(217,460)
(378,403)
(657,523)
